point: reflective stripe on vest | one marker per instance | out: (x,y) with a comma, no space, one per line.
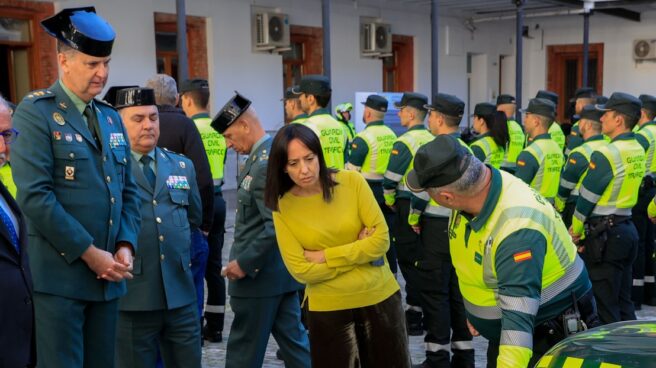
(492,151)
(550,158)
(649,132)
(517,208)
(586,150)
(380,139)
(515,144)
(215,147)
(413,139)
(332,136)
(627,161)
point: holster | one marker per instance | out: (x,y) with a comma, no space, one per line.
(596,235)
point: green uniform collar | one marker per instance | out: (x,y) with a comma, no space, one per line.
(320,111)
(300,116)
(455,134)
(375,123)
(651,122)
(624,136)
(542,136)
(487,134)
(597,137)
(490,204)
(79,104)
(418,127)
(201,115)
(259,143)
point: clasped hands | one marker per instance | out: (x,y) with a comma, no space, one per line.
(110,267)
(318,256)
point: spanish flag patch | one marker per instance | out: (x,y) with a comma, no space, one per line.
(572,161)
(395,152)
(522,256)
(354,146)
(593,166)
(521,163)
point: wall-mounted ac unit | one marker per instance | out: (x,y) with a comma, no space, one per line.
(644,50)
(270,31)
(375,39)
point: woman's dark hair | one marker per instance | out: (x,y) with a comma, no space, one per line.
(497,123)
(278,181)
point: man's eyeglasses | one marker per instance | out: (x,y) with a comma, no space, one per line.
(9,135)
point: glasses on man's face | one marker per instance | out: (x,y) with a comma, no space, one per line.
(9,135)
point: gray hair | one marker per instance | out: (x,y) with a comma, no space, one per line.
(468,182)
(4,105)
(166,91)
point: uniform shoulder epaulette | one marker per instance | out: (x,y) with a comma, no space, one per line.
(103,102)
(264,155)
(173,153)
(39,94)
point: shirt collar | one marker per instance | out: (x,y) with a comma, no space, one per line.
(624,136)
(651,122)
(490,203)
(596,137)
(455,134)
(259,143)
(201,115)
(320,111)
(79,104)
(543,136)
(375,123)
(300,116)
(418,127)
(137,156)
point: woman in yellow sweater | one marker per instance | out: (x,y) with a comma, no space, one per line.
(333,238)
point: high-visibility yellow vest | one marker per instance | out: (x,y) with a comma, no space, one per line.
(557,135)
(380,139)
(586,150)
(473,254)
(515,144)
(649,132)
(550,158)
(332,136)
(413,139)
(7,179)
(492,151)
(215,148)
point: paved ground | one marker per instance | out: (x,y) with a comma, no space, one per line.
(214,354)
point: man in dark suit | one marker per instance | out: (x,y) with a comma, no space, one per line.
(16,308)
(263,295)
(159,309)
(72,165)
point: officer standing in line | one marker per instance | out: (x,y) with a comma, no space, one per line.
(441,301)
(293,111)
(370,154)
(195,98)
(412,113)
(159,311)
(602,218)
(506,103)
(343,115)
(539,164)
(77,192)
(485,147)
(555,130)
(263,295)
(643,268)
(582,97)
(576,166)
(518,269)
(314,93)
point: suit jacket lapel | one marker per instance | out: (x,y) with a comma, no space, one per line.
(71,115)
(163,170)
(16,212)
(139,175)
(247,167)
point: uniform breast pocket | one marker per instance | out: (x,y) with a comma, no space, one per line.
(180,199)
(120,162)
(243,203)
(72,165)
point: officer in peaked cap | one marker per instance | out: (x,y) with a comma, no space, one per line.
(73,162)
(555,129)
(160,305)
(259,284)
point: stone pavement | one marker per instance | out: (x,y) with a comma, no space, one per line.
(214,354)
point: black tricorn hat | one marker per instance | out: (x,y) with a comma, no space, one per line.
(230,112)
(83,30)
(128,97)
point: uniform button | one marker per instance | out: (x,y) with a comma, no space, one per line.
(125,160)
(161,257)
(159,220)
(189,264)
(113,200)
(154,202)
(161,238)
(71,155)
(109,179)
(111,222)
(257,270)
(105,158)
(62,254)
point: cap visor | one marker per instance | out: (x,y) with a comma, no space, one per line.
(398,105)
(602,107)
(412,182)
(429,107)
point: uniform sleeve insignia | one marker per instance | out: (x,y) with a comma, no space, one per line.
(572,161)
(354,146)
(521,163)
(592,165)
(395,152)
(574,133)
(522,256)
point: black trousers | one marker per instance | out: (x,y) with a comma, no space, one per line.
(216,289)
(643,267)
(408,250)
(612,276)
(441,301)
(373,336)
(568,213)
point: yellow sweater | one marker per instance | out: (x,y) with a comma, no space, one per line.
(347,280)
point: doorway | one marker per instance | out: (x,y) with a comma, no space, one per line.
(398,68)
(305,55)
(565,73)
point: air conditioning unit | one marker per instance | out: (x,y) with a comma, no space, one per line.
(375,39)
(270,31)
(644,50)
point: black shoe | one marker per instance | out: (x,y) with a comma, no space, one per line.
(413,322)
(650,302)
(212,335)
(279,355)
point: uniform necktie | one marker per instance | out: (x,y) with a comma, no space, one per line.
(92,122)
(4,217)
(148,172)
